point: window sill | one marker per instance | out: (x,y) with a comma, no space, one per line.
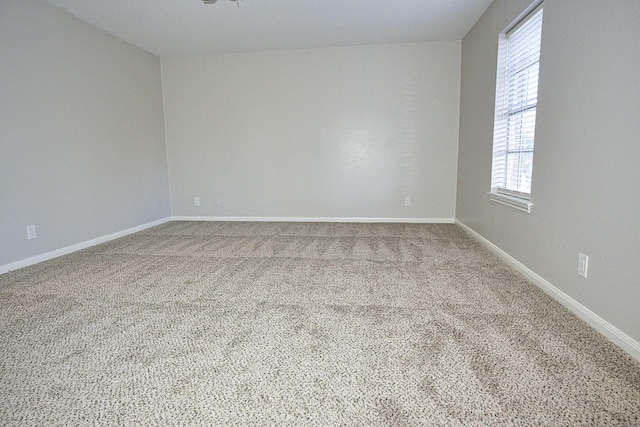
(513,202)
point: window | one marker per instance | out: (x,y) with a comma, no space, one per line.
(515,116)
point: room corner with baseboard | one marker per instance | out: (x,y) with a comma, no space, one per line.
(564,221)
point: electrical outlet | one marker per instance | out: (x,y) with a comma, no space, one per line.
(583,263)
(31,232)
(216,202)
(196,201)
(407,201)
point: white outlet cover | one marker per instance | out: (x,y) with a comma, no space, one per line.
(583,264)
(31,232)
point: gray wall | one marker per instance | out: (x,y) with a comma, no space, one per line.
(335,132)
(585,179)
(82,150)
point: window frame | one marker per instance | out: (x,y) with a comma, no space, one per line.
(500,191)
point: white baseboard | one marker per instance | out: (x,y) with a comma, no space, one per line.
(614,334)
(314,219)
(73,248)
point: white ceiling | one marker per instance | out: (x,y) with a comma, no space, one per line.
(189,27)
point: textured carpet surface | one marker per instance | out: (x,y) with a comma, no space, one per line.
(299,324)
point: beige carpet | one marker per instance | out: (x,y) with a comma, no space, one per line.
(299,324)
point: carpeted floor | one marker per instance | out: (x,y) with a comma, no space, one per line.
(310,324)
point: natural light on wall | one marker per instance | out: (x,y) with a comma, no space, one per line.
(515,116)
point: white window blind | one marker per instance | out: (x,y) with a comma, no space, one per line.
(516,101)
